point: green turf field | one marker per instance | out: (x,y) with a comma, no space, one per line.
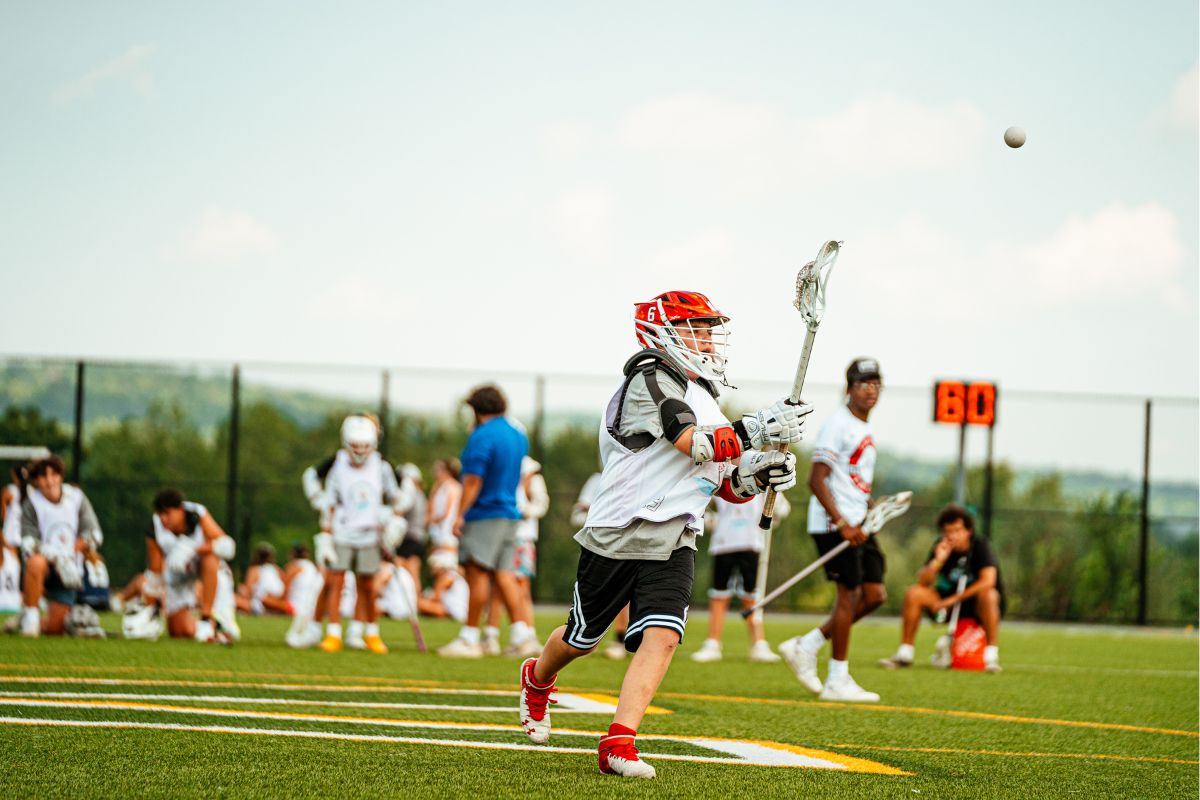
(1077,713)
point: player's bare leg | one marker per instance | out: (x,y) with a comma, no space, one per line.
(332,597)
(367,610)
(491,633)
(711,649)
(538,676)
(987,605)
(917,598)
(618,752)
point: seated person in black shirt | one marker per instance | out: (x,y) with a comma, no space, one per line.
(959,552)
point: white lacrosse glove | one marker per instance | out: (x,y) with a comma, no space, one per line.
(97,573)
(324,553)
(781,423)
(180,559)
(67,566)
(224,548)
(759,471)
(393,533)
(29,546)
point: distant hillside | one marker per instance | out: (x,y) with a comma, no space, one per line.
(117,392)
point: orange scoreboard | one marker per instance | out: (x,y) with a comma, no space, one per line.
(964,403)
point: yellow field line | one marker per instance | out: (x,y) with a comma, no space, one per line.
(942,712)
(1010,753)
(810,704)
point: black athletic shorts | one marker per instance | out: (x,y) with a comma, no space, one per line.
(745,562)
(854,566)
(658,594)
(411,547)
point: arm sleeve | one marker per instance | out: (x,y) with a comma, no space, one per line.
(640,412)
(826,447)
(89,526)
(476,455)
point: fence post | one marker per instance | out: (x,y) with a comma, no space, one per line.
(1144,543)
(539,416)
(231,487)
(383,415)
(987,486)
(77,443)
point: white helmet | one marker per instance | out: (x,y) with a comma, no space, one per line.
(411,471)
(360,437)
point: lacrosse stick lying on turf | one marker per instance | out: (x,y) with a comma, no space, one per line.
(885,509)
(943,651)
(811,283)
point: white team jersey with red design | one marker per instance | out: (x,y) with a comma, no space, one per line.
(736,528)
(844,443)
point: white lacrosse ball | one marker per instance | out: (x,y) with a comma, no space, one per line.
(1014,137)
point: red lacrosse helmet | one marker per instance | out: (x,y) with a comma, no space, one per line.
(669,323)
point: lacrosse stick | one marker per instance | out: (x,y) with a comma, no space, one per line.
(410,600)
(811,283)
(943,650)
(885,509)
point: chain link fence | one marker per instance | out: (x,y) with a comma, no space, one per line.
(1073,476)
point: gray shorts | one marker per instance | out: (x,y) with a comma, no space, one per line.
(489,543)
(359,560)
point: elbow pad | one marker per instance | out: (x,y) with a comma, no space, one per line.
(715,443)
(676,417)
(312,487)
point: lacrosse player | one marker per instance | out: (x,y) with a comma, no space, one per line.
(361,509)
(736,545)
(194,548)
(303,588)
(666,450)
(533,501)
(10,558)
(264,591)
(448,597)
(442,510)
(411,551)
(488,518)
(57,525)
(959,552)
(843,467)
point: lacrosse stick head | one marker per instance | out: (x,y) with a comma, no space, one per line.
(885,509)
(812,282)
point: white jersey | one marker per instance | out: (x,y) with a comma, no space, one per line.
(269,584)
(168,541)
(12,517)
(359,495)
(590,490)
(441,534)
(10,581)
(844,443)
(306,583)
(736,528)
(532,508)
(58,522)
(399,595)
(657,483)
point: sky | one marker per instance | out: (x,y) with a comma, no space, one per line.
(492,186)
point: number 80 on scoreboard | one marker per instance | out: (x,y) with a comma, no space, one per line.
(964,403)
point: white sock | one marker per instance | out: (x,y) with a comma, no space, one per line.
(334,629)
(469,635)
(491,632)
(838,669)
(518,632)
(355,630)
(904,652)
(991,654)
(372,629)
(813,641)
(712,644)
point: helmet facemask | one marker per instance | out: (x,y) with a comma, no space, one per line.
(697,345)
(360,437)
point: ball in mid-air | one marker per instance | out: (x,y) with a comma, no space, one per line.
(1014,136)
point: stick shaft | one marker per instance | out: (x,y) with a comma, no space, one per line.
(799,576)
(764,522)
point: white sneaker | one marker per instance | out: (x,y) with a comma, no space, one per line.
(205,632)
(354,640)
(461,648)
(624,761)
(895,662)
(941,657)
(710,651)
(303,634)
(530,648)
(845,690)
(31,623)
(226,619)
(993,667)
(535,704)
(761,653)
(615,651)
(491,646)
(803,664)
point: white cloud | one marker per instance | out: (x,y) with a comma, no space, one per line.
(130,67)
(1116,251)
(224,236)
(582,222)
(1185,100)
(698,124)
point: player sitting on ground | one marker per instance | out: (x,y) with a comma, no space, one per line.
(264,590)
(361,509)
(411,550)
(10,553)
(193,547)
(736,544)
(57,525)
(959,552)
(449,594)
(303,584)
(666,449)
